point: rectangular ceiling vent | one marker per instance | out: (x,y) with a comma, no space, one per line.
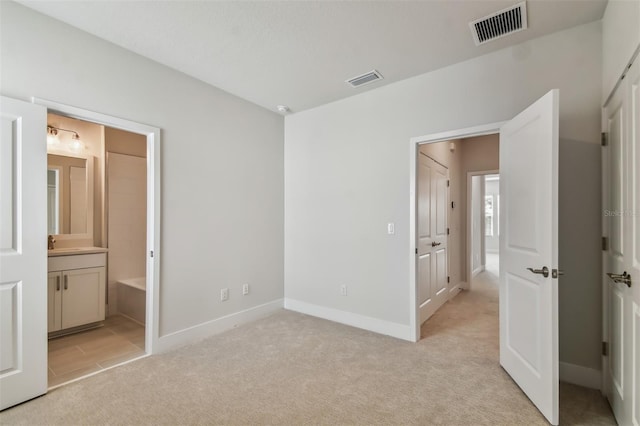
(366,78)
(499,24)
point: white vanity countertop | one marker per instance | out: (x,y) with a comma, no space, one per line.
(67,251)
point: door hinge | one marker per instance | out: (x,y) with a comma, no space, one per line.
(448,279)
(416,250)
(605,243)
(447,231)
(151,253)
(453,205)
(447,182)
(605,349)
(604,140)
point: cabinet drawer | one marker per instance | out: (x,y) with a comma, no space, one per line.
(79,261)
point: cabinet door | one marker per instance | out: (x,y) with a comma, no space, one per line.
(83,296)
(54,301)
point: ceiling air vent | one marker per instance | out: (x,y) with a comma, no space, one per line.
(499,24)
(366,78)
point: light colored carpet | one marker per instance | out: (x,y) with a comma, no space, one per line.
(295,369)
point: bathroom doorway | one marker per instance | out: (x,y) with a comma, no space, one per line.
(115,313)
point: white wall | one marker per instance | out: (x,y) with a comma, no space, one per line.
(476,211)
(347,174)
(222,160)
(620,38)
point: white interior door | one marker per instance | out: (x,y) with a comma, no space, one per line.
(529,227)
(23,252)
(622,256)
(433,194)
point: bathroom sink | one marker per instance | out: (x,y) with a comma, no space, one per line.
(75,250)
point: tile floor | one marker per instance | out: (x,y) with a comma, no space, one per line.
(76,355)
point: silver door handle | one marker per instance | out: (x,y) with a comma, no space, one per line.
(66,282)
(434,244)
(58,283)
(623,278)
(544,271)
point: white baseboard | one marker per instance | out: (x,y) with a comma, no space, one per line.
(216,326)
(453,292)
(579,375)
(400,331)
(477,271)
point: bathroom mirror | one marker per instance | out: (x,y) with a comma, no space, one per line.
(70,196)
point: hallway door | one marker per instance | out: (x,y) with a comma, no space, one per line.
(529,252)
(622,255)
(433,195)
(23,252)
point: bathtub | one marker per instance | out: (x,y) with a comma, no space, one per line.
(132,298)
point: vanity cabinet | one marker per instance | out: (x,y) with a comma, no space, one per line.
(76,290)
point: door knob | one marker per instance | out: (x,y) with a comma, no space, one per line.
(623,278)
(544,271)
(434,244)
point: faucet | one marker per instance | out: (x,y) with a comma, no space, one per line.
(52,243)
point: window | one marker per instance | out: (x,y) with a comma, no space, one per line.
(488,215)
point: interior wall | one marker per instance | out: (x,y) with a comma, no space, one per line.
(222,161)
(476,224)
(620,38)
(123,142)
(347,176)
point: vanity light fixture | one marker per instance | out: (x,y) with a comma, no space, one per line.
(75,145)
(52,136)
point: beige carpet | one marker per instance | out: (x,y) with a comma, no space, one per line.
(295,369)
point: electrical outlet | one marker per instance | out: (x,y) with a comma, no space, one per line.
(224,294)
(343,290)
(245,289)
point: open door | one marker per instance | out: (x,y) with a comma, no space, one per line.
(621,258)
(529,252)
(23,252)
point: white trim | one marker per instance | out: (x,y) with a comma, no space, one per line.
(152,329)
(468,132)
(453,292)
(400,331)
(581,376)
(484,129)
(477,271)
(217,326)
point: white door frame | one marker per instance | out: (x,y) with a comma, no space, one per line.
(152,326)
(469,267)
(481,130)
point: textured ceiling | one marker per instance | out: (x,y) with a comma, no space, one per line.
(298,53)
